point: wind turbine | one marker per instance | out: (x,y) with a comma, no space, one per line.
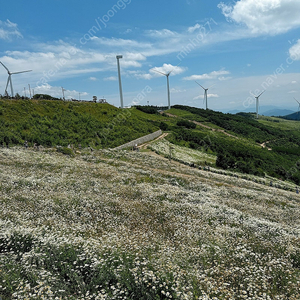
(205,93)
(63,92)
(298,106)
(168,85)
(257,103)
(9,79)
(29,90)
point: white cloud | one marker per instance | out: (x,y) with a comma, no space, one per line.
(176,91)
(111,78)
(212,96)
(57,60)
(294,51)
(56,91)
(119,43)
(167,68)
(134,56)
(128,31)
(161,33)
(153,72)
(264,16)
(143,76)
(208,96)
(212,75)
(223,78)
(193,28)
(9,30)
(198,97)
(93,78)
(294,82)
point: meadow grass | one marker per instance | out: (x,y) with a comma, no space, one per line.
(126,225)
(279,123)
(182,154)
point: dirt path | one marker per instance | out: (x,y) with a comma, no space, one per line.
(216,130)
(144,146)
(168,114)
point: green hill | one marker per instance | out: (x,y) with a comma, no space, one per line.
(294,116)
(265,146)
(51,123)
(239,142)
(108,224)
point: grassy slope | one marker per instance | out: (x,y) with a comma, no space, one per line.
(53,123)
(141,227)
(244,151)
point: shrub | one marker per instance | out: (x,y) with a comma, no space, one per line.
(163,126)
(66,151)
(147,109)
(186,124)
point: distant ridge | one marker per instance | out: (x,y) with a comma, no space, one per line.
(278,112)
(295,116)
(267,111)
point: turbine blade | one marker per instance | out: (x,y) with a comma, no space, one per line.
(211,86)
(260,93)
(4,67)
(159,72)
(174,68)
(200,85)
(297,101)
(21,72)
(8,79)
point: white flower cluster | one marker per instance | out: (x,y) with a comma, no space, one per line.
(126,225)
(182,154)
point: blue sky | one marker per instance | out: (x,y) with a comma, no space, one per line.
(237,48)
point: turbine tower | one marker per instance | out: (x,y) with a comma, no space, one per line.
(9,79)
(29,90)
(168,85)
(120,81)
(257,103)
(63,92)
(205,93)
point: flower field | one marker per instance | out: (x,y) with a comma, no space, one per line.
(127,225)
(182,154)
(201,159)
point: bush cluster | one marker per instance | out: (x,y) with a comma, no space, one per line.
(237,154)
(50,123)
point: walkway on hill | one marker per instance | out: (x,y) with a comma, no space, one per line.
(141,140)
(144,146)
